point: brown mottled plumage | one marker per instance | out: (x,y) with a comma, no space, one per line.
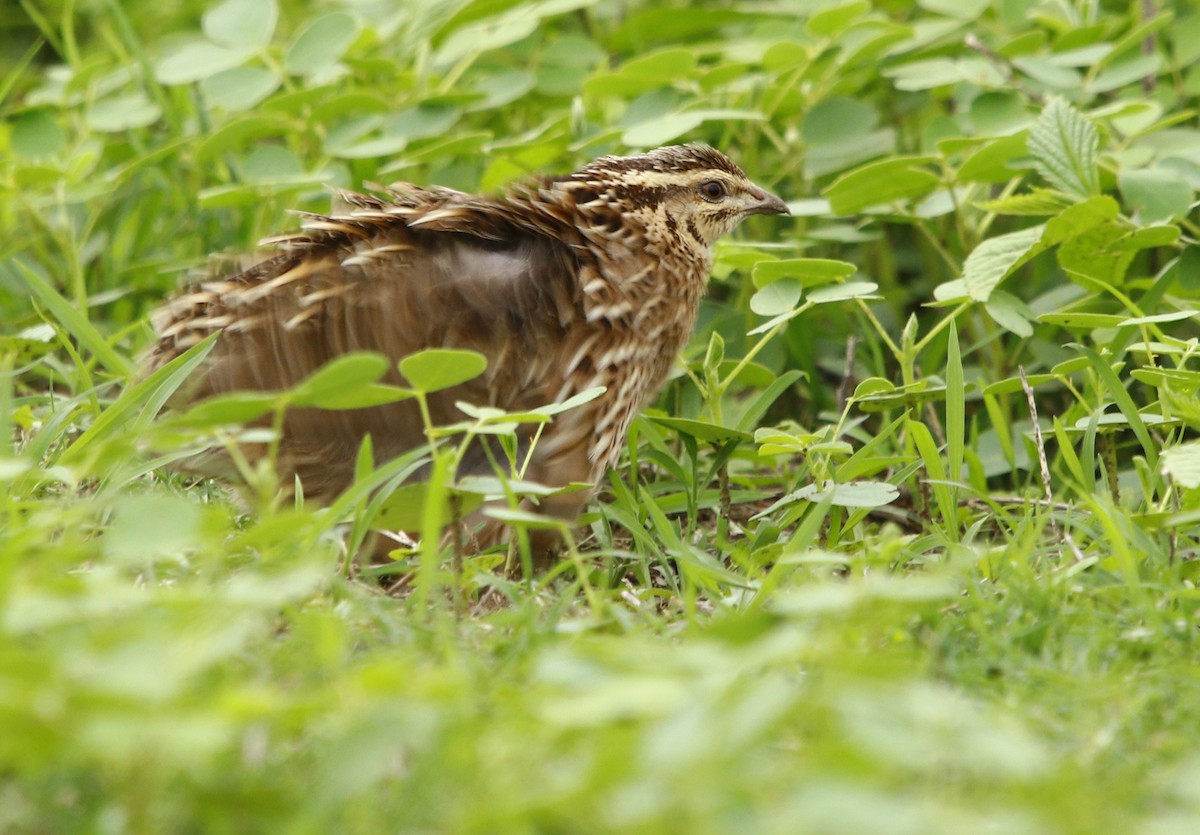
(590,279)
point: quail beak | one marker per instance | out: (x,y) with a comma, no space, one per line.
(767,204)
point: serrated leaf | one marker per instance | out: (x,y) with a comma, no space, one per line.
(996,258)
(1064,145)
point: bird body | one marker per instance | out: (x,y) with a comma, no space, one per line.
(589,279)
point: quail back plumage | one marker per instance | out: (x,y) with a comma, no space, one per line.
(589,279)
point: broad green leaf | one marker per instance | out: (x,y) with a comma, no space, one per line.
(1064,145)
(702,430)
(1182,464)
(404,509)
(1084,321)
(961,9)
(239,88)
(809,272)
(997,258)
(123,112)
(881,184)
(197,60)
(238,407)
(1148,237)
(1094,253)
(647,72)
(1010,313)
(662,129)
(1125,73)
(1156,194)
(1079,218)
(338,381)
(1036,203)
(149,526)
(843,292)
(29,344)
(441,368)
(241,24)
(777,298)
(835,19)
(854,494)
(36,133)
(320,44)
(1049,73)
(989,164)
(840,132)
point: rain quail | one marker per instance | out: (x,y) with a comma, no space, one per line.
(589,279)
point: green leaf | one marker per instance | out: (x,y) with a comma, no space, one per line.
(36,134)
(339,381)
(140,403)
(241,24)
(238,407)
(835,19)
(441,368)
(702,430)
(1010,313)
(239,88)
(197,60)
(1035,203)
(74,322)
(662,129)
(808,272)
(840,132)
(1079,218)
(997,258)
(843,292)
(989,163)
(123,112)
(1182,464)
(1064,145)
(320,44)
(1156,194)
(1082,321)
(777,298)
(404,509)
(881,184)
(961,9)
(853,494)
(647,72)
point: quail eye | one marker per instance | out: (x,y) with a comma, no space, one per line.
(713,190)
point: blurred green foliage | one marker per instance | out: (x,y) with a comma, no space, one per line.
(833,588)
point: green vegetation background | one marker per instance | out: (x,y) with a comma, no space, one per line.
(835,588)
